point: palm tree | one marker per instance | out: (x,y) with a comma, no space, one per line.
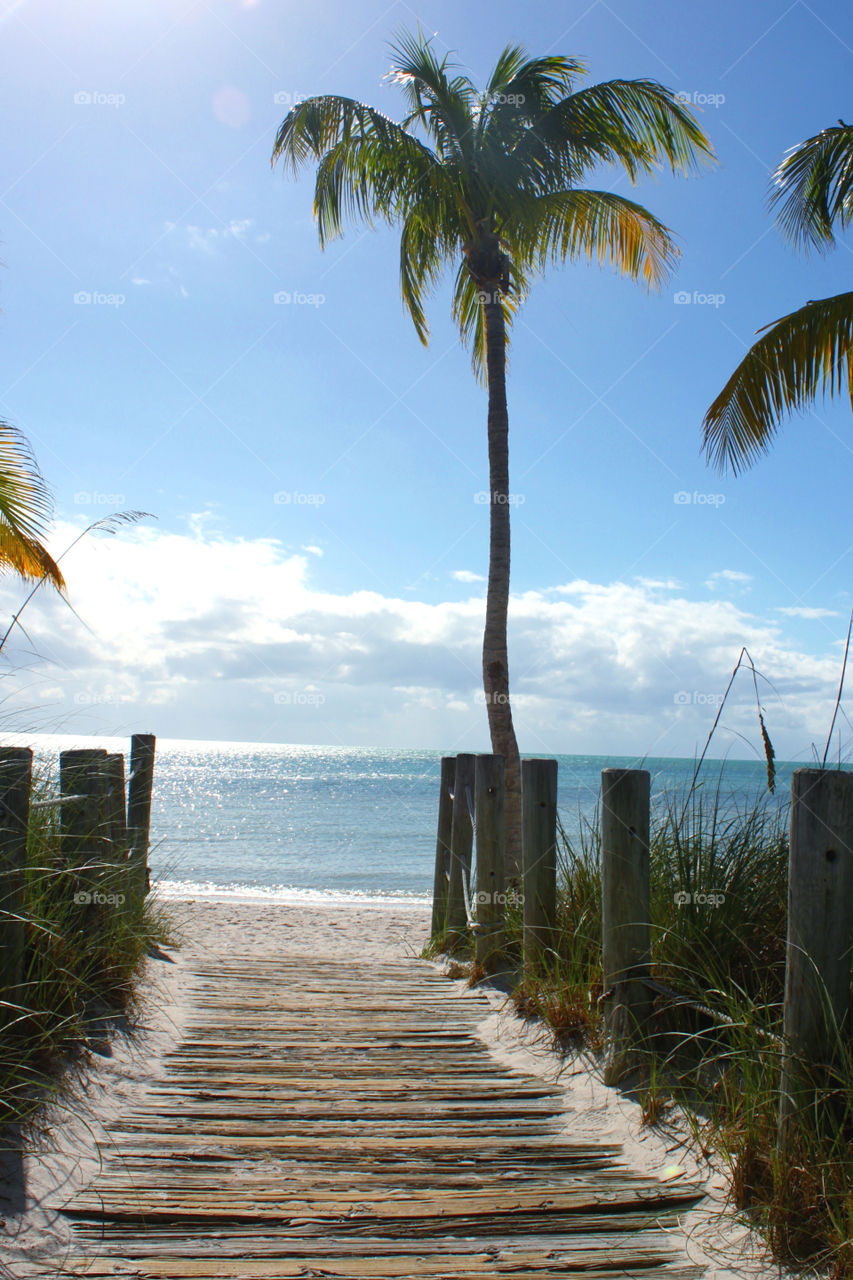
(808,351)
(25,509)
(487,183)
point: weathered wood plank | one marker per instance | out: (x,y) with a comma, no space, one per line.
(320,1121)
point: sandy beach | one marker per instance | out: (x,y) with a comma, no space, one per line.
(66,1149)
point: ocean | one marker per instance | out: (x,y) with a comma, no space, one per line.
(294,822)
(351,823)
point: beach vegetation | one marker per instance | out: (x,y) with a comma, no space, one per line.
(81,964)
(713,1050)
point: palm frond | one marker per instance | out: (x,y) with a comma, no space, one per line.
(355,180)
(594,225)
(546,79)
(368,166)
(423,255)
(812,188)
(25,509)
(520,93)
(445,108)
(24,497)
(637,124)
(320,124)
(800,356)
(27,557)
(525,88)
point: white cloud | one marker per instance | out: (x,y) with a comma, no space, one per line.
(313,551)
(198,635)
(237,227)
(805,611)
(139,280)
(465,575)
(733,576)
(660,584)
(206,239)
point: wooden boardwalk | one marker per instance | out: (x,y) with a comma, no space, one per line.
(321,1120)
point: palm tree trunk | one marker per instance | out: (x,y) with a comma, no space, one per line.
(495,664)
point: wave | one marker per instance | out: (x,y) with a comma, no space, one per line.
(235,892)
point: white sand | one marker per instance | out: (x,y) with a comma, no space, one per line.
(66,1155)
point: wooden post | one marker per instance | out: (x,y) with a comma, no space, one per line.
(116,815)
(539,858)
(461,844)
(16,768)
(442,847)
(82,820)
(491,856)
(820,932)
(625,903)
(139,811)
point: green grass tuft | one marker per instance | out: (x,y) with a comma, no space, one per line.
(80,968)
(724,949)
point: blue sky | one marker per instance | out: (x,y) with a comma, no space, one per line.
(137,176)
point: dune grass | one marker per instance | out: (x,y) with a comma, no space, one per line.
(723,949)
(81,963)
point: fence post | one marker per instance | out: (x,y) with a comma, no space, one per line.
(491,854)
(625,905)
(16,767)
(139,812)
(116,817)
(115,821)
(442,847)
(461,842)
(820,931)
(82,821)
(539,857)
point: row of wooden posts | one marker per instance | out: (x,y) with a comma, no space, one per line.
(103,838)
(817,1009)
(472,799)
